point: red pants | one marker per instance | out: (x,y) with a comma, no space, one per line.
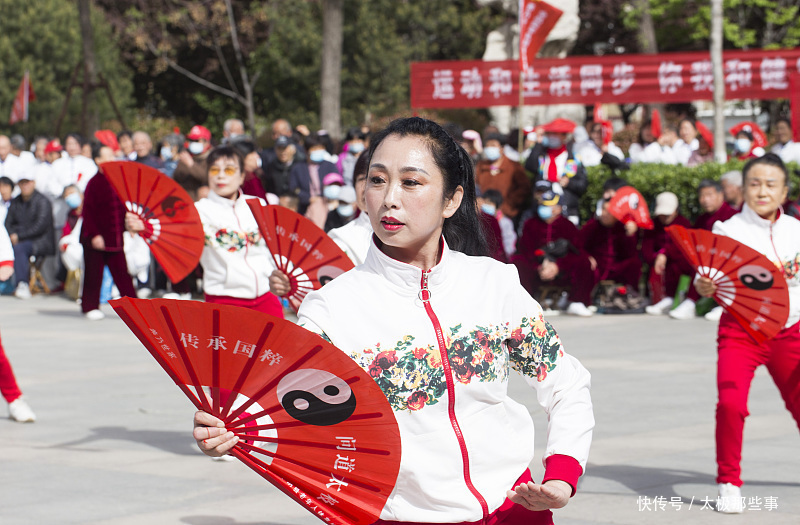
(509,513)
(93,262)
(267,304)
(8,383)
(739,356)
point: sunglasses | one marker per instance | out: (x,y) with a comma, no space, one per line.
(229,170)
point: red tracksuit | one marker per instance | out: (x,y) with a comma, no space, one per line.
(614,251)
(657,241)
(8,383)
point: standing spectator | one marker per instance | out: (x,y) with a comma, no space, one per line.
(705,147)
(318,167)
(712,202)
(355,237)
(647,148)
(674,150)
(731,182)
(101,237)
(47,181)
(232,129)
(27,161)
(18,408)
(191,172)
(74,168)
(30,227)
(354,144)
(9,163)
(6,190)
(498,172)
(39,144)
(286,175)
(143,150)
(785,147)
(553,160)
(666,262)
(689,132)
(171,147)
(596,150)
(125,141)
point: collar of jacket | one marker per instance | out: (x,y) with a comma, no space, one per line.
(752,217)
(224,201)
(407,278)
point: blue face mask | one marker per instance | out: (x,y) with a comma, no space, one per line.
(491,153)
(545,212)
(356,148)
(73,200)
(331,192)
(346,210)
(743,145)
(553,142)
(196,148)
(488,208)
(316,156)
(166,153)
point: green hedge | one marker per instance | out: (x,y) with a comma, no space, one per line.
(652,179)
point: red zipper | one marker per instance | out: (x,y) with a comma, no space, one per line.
(774,249)
(425,295)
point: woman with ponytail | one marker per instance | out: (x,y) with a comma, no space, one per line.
(438,325)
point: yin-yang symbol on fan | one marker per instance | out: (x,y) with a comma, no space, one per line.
(755,277)
(316,397)
(327,274)
(172,205)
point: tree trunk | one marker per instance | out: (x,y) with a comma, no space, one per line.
(331,71)
(719,81)
(647,39)
(89,118)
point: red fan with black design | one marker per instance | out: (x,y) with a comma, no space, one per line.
(300,249)
(629,205)
(309,419)
(759,137)
(749,287)
(173,230)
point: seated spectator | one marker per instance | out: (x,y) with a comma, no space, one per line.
(731,182)
(553,160)
(498,172)
(647,148)
(490,203)
(704,152)
(785,147)
(712,202)
(689,132)
(143,148)
(125,141)
(674,150)
(102,240)
(600,149)
(9,163)
(30,227)
(6,190)
(27,161)
(612,250)
(548,253)
(47,180)
(666,262)
(74,168)
(191,172)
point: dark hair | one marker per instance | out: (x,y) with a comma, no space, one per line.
(499,137)
(75,136)
(690,121)
(225,152)
(768,159)
(5,180)
(748,134)
(463,231)
(708,183)
(354,134)
(96,147)
(785,120)
(326,140)
(124,133)
(244,146)
(614,183)
(493,196)
(312,141)
(645,125)
(361,167)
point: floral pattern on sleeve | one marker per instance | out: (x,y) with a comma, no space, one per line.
(534,348)
(412,376)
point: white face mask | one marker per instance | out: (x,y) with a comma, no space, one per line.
(743,145)
(346,210)
(331,192)
(195,148)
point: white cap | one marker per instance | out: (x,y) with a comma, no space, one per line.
(666,203)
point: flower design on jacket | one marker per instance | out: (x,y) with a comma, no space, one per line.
(412,376)
(232,241)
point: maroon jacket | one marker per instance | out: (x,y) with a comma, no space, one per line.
(536,233)
(706,221)
(494,237)
(657,240)
(608,246)
(103,213)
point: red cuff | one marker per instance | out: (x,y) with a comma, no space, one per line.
(6,263)
(564,468)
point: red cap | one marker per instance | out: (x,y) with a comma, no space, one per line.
(705,133)
(559,125)
(53,147)
(107,138)
(199,132)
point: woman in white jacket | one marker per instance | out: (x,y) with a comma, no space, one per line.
(761,225)
(439,328)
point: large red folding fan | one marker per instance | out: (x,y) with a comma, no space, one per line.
(299,248)
(629,205)
(749,287)
(173,230)
(309,419)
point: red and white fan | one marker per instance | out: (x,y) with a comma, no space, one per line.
(310,420)
(629,205)
(173,230)
(749,287)
(300,249)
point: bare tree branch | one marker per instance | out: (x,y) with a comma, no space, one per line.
(224,63)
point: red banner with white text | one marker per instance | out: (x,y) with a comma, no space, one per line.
(665,77)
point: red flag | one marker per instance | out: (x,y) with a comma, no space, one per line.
(25,94)
(536,20)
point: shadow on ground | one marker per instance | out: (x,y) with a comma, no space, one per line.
(174,442)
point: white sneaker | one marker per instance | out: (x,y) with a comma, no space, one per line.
(19,411)
(171,295)
(579,309)
(185,296)
(730,500)
(23,291)
(226,457)
(94,315)
(144,293)
(714,314)
(662,307)
(683,311)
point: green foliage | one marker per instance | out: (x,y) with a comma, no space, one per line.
(652,179)
(44,38)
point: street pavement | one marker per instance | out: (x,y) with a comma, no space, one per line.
(112,443)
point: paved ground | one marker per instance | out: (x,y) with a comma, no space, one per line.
(113,441)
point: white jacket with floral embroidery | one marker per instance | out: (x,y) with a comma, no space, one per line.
(235,260)
(489,323)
